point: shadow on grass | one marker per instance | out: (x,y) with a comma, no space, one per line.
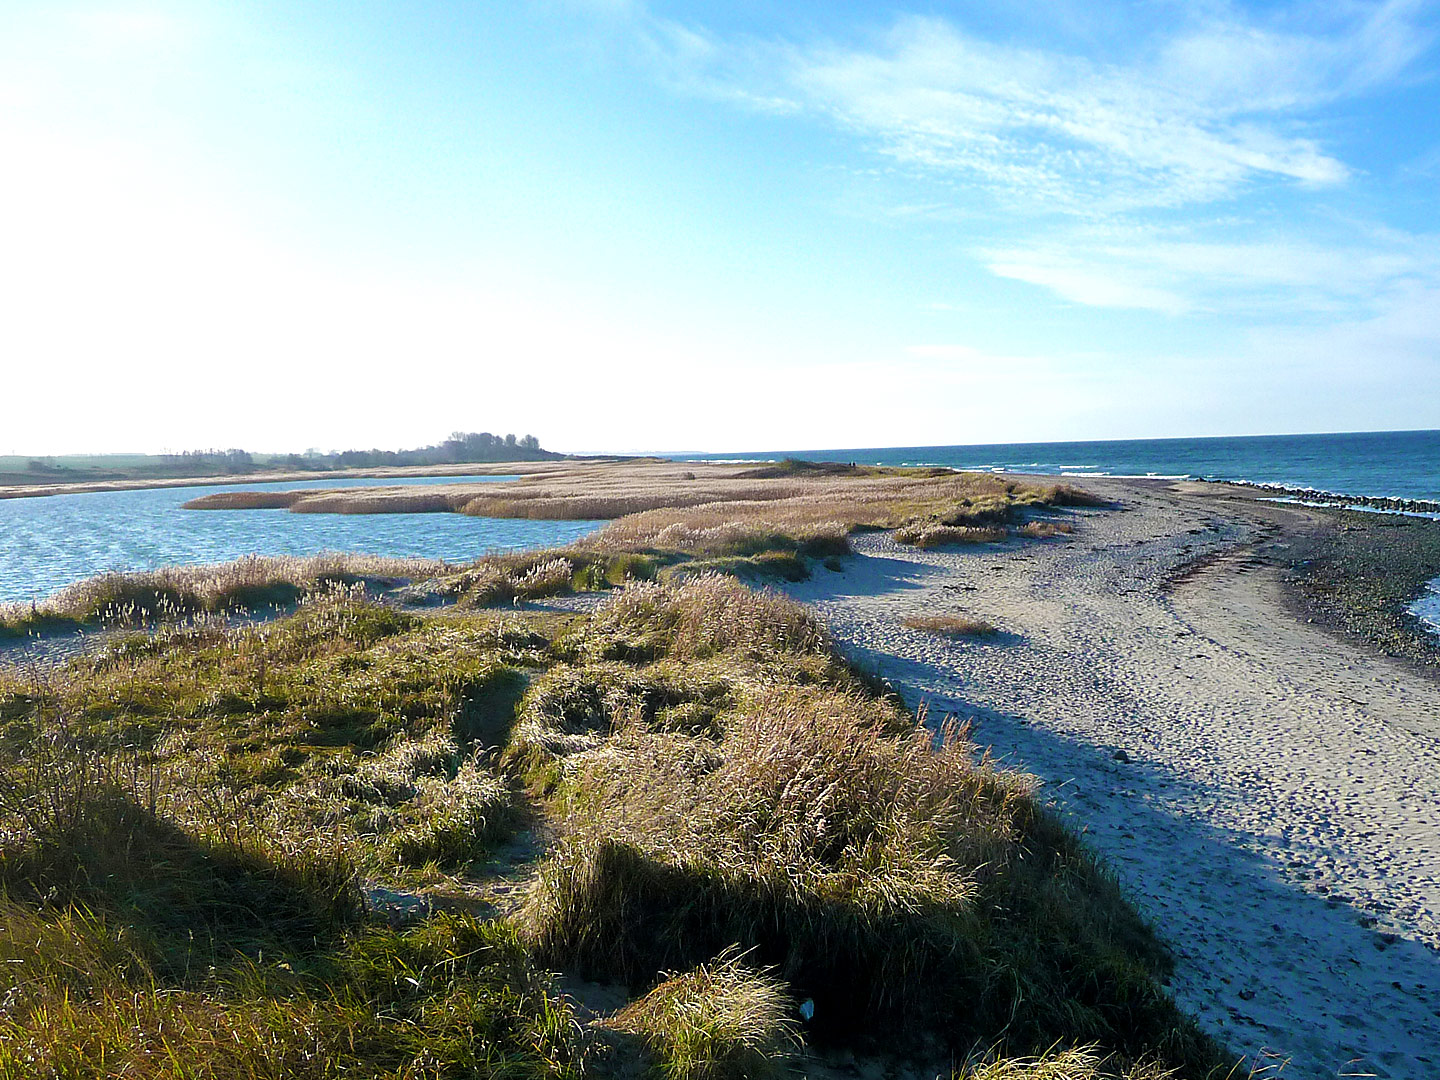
(196,900)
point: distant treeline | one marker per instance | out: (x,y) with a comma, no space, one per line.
(462,447)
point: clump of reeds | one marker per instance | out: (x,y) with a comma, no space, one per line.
(725,1020)
(1070,495)
(700,617)
(951,625)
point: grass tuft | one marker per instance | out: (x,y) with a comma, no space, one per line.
(927,535)
(950,625)
(723,1021)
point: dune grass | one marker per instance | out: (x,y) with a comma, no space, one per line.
(723,1021)
(193,824)
(898,881)
(951,625)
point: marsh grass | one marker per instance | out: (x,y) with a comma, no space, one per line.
(791,497)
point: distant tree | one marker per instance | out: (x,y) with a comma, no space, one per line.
(530,442)
(510,441)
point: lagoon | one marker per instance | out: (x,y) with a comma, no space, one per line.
(50,542)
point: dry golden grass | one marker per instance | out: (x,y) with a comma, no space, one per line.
(792,498)
(950,625)
(717,512)
(723,1021)
(928,535)
(254,582)
(1076,1063)
(1042,530)
(888,872)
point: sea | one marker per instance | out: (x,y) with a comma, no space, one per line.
(49,542)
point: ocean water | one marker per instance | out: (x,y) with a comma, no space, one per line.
(1427,607)
(50,542)
(1402,464)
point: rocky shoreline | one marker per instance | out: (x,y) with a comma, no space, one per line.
(1360,577)
(1339,500)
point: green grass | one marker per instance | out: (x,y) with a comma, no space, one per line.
(723,1021)
(192,823)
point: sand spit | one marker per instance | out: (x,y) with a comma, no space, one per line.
(1269,794)
(36,491)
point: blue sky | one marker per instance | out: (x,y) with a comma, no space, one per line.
(625,225)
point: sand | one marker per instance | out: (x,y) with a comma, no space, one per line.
(1268,793)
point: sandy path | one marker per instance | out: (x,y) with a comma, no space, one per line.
(1269,795)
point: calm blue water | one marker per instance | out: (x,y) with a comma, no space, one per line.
(54,541)
(1404,464)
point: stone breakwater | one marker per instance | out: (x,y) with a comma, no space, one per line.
(1317,496)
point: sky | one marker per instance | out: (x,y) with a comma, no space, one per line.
(627,225)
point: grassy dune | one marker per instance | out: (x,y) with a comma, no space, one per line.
(202,831)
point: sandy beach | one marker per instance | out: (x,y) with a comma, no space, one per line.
(1268,793)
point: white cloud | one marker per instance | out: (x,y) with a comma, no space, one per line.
(1088,285)
(1214,106)
(1154,270)
(1060,131)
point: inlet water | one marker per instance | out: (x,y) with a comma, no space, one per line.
(53,541)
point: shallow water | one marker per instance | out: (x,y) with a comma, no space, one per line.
(47,543)
(1427,608)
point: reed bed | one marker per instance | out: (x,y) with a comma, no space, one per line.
(874,497)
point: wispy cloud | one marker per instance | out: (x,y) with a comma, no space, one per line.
(1173,272)
(1203,114)
(1214,105)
